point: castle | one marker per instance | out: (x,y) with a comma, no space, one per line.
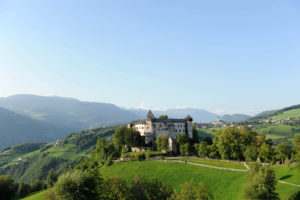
(151,127)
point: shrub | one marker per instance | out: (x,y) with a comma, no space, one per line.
(8,187)
(114,188)
(76,186)
(261,183)
(141,157)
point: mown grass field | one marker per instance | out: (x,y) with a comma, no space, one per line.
(289,174)
(224,184)
(216,163)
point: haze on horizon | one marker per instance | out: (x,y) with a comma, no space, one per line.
(224,57)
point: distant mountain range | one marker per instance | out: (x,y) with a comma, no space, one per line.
(30,118)
(198,115)
(17,129)
(235,118)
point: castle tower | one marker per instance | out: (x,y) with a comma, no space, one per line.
(150,115)
(189,126)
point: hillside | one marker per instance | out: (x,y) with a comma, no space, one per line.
(31,161)
(70,114)
(284,113)
(17,129)
(235,117)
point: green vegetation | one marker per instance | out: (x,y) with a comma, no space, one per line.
(261,183)
(38,195)
(224,184)
(190,190)
(290,174)
(216,163)
(294,113)
(38,158)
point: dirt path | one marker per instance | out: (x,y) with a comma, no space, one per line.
(202,165)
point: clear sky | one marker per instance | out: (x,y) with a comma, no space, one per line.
(223,56)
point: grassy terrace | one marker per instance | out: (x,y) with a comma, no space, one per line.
(216,163)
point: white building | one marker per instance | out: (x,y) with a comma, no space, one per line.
(152,127)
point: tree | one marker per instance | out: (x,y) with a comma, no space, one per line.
(185,149)
(152,190)
(192,191)
(51,178)
(229,143)
(195,135)
(114,188)
(8,187)
(297,159)
(296,144)
(133,138)
(203,150)
(282,151)
(181,138)
(118,137)
(163,117)
(37,186)
(266,153)
(261,183)
(103,150)
(251,153)
(161,142)
(76,185)
(24,189)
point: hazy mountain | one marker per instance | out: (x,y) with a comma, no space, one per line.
(235,117)
(198,115)
(16,129)
(68,113)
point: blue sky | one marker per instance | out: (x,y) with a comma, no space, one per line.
(223,56)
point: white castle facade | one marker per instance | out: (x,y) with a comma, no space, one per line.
(152,127)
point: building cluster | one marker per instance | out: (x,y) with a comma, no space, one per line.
(151,127)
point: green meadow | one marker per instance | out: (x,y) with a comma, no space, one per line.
(224,184)
(294,113)
(216,163)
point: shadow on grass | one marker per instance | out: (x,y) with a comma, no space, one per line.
(286,177)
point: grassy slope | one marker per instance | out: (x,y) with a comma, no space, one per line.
(37,196)
(224,184)
(294,113)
